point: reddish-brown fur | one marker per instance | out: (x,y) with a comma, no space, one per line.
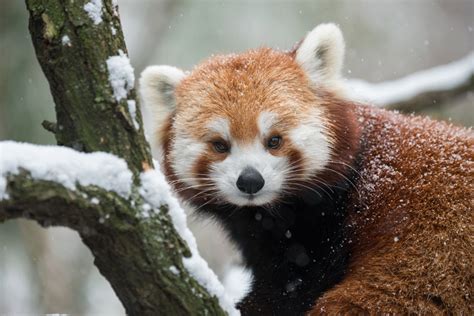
(410,211)
(412,220)
(234,87)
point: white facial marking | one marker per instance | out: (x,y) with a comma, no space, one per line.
(272,169)
(266,120)
(310,137)
(185,152)
(221,127)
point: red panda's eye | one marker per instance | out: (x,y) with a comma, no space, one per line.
(220,147)
(274,142)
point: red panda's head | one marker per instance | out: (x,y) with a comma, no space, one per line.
(247,129)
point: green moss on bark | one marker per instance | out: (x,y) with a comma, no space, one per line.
(132,251)
(88,116)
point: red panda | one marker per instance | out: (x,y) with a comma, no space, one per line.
(337,207)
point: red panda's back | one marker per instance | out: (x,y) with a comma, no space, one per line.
(413,241)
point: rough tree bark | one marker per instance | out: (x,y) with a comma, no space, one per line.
(132,253)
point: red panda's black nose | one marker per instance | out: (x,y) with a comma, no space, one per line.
(250,181)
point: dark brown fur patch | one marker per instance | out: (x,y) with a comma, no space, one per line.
(345,133)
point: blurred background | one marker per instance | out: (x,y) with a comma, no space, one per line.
(50,270)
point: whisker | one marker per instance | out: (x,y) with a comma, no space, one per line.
(207,192)
(194,187)
(348,180)
(311,189)
(189,179)
(208,202)
(311,181)
(347,165)
(309,185)
(236,208)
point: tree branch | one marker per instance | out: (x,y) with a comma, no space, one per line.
(133,254)
(80,47)
(133,242)
(429,88)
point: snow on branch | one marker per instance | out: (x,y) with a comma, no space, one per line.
(156,191)
(64,166)
(420,89)
(59,170)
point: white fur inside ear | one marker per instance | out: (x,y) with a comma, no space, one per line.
(157,85)
(321,54)
(156,88)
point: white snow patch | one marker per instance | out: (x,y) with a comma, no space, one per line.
(174,270)
(443,77)
(94,10)
(115,7)
(121,76)
(156,191)
(147,210)
(237,282)
(64,166)
(113,30)
(95,200)
(132,108)
(3,188)
(66,41)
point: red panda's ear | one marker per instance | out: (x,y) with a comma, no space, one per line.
(321,54)
(157,87)
(157,93)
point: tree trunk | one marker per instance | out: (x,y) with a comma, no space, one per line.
(73,44)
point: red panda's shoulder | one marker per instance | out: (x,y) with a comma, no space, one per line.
(413,162)
(411,219)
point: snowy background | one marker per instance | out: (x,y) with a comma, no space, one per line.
(50,270)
